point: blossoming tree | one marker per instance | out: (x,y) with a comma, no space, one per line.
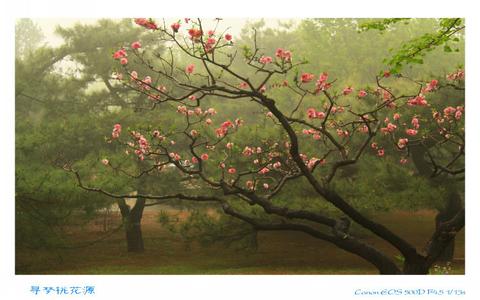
(322,129)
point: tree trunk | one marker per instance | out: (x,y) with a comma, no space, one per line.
(416,266)
(453,206)
(133,232)
(132,218)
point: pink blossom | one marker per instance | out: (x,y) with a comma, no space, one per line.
(136,45)
(402,143)
(265,60)
(266,186)
(411,132)
(247,151)
(123,61)
(418,100)
(208,121)
(311,113)
(229,145)
(232,170)
(228,37)
(147,23)
(262,89)
(194,133)
(194,160)
(386,74)
(431,86)
(306,77)
(264,171)
(381,152)
(192,97)
(195,34)
(250,185)
(105,161)
(396,116)
(117,129)
(283,54)
(221,165)
(175,26)
(348,90)
(415,123)
(277,165)
(320,114)
(189,69)
(204,156)
(374,145)
(119,54)
(269,114)
(211,111)
(458,115)
(403,161)
(362,93)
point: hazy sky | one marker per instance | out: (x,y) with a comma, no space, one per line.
(48,25)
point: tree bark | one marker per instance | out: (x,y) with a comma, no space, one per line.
(132,219)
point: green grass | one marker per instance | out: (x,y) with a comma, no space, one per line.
(277,253)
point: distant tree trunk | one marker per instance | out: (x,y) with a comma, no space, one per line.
(132,220)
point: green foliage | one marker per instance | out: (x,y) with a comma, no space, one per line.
(413,51)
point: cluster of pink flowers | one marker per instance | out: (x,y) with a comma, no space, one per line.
(147,23)
(190,68)
(312,162)
(195,34)
(117,129)
(348,90)
(389,128)
(458,75)
(322,84)
(143,145)
(247,151)
(223,129)
(175,156)
(362,93)
(121,55)
(452,112)
(313,114)
(284,55)
(265,60)
(380,151)
(431,86)
(411,132)
(418,101)
(209,44)
(306,77)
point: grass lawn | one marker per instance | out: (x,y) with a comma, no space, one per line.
(278,252)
